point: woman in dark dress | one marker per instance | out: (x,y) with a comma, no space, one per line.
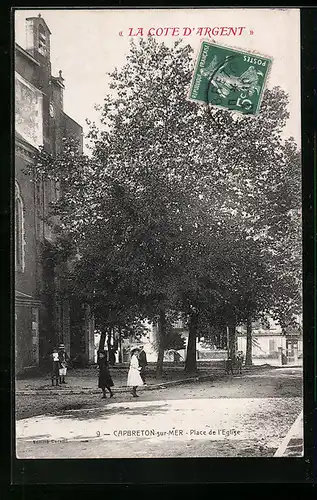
(105,380)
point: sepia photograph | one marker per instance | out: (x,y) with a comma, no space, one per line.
(158,233)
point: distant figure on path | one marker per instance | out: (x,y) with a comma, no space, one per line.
(134,377)
(55,366)
(229,365)
(105,381)
(240,359)
(142,363)
(63,359)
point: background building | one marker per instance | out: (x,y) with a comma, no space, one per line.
(42,313)
(271,344)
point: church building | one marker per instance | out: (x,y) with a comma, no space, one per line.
(42,315)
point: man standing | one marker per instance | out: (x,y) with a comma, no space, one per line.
(63,358)
(142,363)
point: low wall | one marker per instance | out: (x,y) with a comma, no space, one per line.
(212,355)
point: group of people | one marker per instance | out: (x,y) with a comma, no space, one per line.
(136,374)
(236,361)
(59,365)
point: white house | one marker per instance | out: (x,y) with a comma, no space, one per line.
(270,343)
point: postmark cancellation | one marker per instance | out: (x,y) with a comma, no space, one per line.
(229,78)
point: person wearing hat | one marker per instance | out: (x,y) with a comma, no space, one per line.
(142,363)
(63,359)
(105,381)
(134,377)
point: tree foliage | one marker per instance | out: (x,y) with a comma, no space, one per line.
(175,211)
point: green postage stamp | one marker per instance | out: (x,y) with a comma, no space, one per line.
(229,78)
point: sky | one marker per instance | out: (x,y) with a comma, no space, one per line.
(86,44)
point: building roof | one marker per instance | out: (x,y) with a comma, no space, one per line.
(22,146)
(42,19)
(19,138)
(26,54)
(58,80)
(272,333)
(262,333)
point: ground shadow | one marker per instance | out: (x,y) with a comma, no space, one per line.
(36,437)
(90,414)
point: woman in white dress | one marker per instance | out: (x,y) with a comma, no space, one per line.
(134,377)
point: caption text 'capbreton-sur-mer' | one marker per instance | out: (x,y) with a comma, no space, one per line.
(126,433)
(176,432)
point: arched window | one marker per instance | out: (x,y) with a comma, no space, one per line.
(19,230)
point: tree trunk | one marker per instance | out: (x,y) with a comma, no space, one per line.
(161,343)
(102,340)
(120,344)
(191,363)
(223,337)
(109,343)
(111,355)
(248,354)
(232,340)
(159,364)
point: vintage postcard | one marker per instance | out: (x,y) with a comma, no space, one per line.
(158,250)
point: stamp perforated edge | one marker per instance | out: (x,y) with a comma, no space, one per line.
(250,52)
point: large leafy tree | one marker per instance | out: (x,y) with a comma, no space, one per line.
(179,207)
(123,206)
(260,174)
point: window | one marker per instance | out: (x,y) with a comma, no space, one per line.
(42,41)
(19,230)
(271,346)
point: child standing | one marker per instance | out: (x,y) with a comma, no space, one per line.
(104,381)
(63,358)
(55,366)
